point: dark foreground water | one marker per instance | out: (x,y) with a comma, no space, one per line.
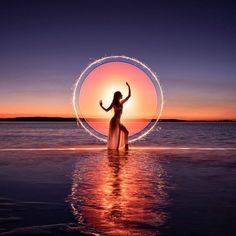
(187,188)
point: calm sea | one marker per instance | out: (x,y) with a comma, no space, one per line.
(186,188)
(33,134)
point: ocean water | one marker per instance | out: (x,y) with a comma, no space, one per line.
(179,180)
(190,134)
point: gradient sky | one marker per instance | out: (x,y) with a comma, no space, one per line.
(44,45)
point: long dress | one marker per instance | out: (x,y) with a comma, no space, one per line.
(117,137)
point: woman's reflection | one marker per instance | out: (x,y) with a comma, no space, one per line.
(120,193)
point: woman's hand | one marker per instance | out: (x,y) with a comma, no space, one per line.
(129,94)
(105,109)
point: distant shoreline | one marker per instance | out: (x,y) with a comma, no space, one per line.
(71,119)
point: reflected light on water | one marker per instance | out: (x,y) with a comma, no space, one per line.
(120,193)
(94,147)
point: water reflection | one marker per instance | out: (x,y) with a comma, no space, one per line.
(119,193)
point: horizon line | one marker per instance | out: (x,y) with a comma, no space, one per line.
(43,118)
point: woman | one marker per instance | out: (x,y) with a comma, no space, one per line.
(118,134)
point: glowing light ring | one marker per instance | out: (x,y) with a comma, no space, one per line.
(149,127)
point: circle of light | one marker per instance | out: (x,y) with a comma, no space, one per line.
(129,60)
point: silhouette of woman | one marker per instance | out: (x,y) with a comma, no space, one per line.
(118,134)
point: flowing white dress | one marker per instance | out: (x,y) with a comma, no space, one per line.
(116,137)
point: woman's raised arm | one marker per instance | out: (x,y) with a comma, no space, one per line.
(129,95)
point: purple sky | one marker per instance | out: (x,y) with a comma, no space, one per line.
(44,45)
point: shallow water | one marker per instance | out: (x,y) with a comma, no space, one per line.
(122,193)
(139,192)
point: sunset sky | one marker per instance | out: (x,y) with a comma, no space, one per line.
(44,45)
(101,84)
(106,79)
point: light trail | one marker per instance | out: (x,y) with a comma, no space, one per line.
(135,62)
(103,147)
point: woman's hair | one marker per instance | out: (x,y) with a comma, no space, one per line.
(116,98)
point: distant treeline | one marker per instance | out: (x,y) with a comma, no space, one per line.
(71,119)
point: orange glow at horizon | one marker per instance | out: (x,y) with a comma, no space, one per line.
(185,112)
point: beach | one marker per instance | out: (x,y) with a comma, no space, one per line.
(55,179)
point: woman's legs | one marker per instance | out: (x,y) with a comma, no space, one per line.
(113,135)
(126,132)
